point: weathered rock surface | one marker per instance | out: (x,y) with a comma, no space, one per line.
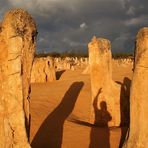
(105,92)
(43,70)
(17,46)
(138,133)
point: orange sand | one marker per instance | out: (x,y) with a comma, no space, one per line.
(60,113)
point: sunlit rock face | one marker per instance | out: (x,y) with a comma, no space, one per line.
(17,46)
(43,70)
(139,95)
(105,92)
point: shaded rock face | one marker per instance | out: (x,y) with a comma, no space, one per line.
(43,70)
(102,86)
(17,46)
(139,95)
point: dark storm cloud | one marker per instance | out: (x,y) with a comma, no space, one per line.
(3,7)
(70,24)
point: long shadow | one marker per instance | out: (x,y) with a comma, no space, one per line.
(50,133)
(59,74)
(124,108)
(80,122)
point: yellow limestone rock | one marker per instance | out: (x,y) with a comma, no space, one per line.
(104,90)
(17,46)
(43,70)
(138,132)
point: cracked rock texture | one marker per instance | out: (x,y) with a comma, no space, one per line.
(138,133)
(17,46)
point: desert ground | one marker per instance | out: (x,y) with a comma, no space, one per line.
(60,112)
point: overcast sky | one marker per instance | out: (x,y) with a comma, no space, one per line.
(70,24)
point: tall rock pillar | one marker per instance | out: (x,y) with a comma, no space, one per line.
(138,132)
(17,46)
(105,93)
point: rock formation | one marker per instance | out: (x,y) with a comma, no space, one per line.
(43,70)
(138,131)
(70,63)
(103,88)
(50,70)
(17,46)
(63,64)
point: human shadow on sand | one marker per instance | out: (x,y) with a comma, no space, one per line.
(50,133)
(99,135)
